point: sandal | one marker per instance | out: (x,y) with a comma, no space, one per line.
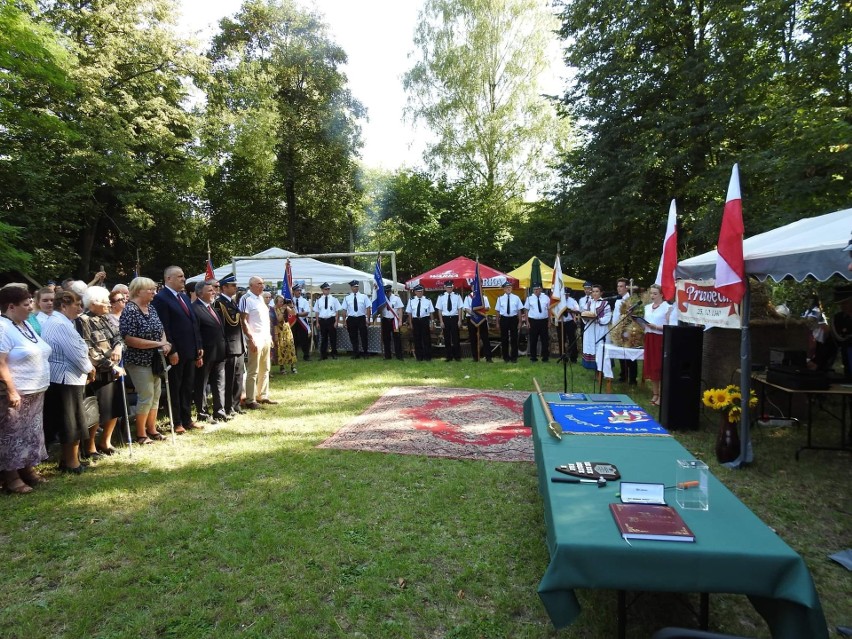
(109,451)
(156,436)
(655,400)
(32,479)
(142,441)
(17,489)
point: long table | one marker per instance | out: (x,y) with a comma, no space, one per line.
(734,551)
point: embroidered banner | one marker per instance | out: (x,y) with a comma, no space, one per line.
(605,419)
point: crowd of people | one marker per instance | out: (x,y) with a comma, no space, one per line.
(69,353)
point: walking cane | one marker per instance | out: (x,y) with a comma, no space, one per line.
(126,412)
(166,367)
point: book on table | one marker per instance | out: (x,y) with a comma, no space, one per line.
(649,521)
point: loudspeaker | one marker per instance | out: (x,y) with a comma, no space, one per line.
(680,397)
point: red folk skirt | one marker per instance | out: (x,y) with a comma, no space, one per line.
(652,367)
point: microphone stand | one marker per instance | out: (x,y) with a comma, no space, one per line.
(603,337)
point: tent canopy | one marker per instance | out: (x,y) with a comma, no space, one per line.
(312,271)
(810,247)
(461,271)
(522,273)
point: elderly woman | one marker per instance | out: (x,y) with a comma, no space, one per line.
(143,334)
(24,378)
(282,335)
(656,317)
(69,371)
(117,301)
(105,349)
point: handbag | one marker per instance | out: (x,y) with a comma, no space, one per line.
(157,363)
(91,413)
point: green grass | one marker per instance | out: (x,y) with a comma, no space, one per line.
(249,530)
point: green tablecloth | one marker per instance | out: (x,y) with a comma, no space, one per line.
(734,551)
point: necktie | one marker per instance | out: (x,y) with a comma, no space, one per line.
(326,302)
(183,304)
(213,313)
(538,299)
(417,314)
(508,304)
(449,302)
(355,297)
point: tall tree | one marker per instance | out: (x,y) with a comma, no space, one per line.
(476,83)
(281,130)
(671,93)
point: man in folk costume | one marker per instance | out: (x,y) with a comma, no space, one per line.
(449,311)
(477,329)
(420,311)
(564,317)
(509,308)
(586,299)
(357,309)
(596,316)
(326,309)
(537,313)
(302,326)
(391,322)
(629,367)
(235,347)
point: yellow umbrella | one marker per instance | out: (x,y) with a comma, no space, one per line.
(522,273)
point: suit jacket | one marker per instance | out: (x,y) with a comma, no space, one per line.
(181,329)
(230,315)
(212,333)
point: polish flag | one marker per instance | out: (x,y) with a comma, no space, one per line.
(668,260)
(730,266)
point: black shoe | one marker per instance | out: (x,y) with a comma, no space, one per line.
(222,417)
(458,359)
(334,356)
(399,357)
(79,470)
(489,360)
(388,357)
(238,411)
(448,359)
(514,360)
(203,417)
(91,456)
(306,359)
(532,359)
(544,359)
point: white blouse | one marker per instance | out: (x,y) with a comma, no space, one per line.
(27,360)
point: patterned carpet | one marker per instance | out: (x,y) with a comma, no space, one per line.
(460,423)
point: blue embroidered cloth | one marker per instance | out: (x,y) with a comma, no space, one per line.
(605,419)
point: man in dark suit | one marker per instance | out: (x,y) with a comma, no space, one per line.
(181,327)
(235,347)
(212,370)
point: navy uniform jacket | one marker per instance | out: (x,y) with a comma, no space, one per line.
(212,334)
(181,329)
(230,314)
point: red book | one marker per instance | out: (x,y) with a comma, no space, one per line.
(647,521)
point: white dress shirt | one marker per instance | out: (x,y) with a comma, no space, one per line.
(395,302)
(423,304)
(508,305)
(326,306)
(363,304)
(537,306)
(456,304)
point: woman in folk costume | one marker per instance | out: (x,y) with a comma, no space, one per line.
(282,335)
(596,315)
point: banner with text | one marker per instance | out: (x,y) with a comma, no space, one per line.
(699,303)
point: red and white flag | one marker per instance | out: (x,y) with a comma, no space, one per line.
(730,265)
(556,286)
(668,260)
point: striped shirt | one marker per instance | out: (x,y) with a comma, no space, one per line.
(69,360)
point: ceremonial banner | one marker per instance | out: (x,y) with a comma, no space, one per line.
(698,302)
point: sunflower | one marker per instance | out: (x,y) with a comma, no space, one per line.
(735,397)
(734,414)
(720,398)
(708,398)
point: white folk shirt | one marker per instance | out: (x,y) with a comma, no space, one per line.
(395,302)
(658,316)
(563,310)
(425,307)
(616,311)
(538,306)
(363,304)
(257,319)
(508,305)
(326,306)
(456,304)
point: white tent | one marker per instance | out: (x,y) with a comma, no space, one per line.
(270,265)
(812,247)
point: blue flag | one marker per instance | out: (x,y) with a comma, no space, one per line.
(476,302)
(287,283)
(380,299)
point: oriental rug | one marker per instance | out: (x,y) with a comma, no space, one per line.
(459,423)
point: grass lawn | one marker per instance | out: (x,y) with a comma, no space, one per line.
(249,530)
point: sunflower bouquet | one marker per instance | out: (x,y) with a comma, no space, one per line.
(729,400)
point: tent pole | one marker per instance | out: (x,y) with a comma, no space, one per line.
(746,452)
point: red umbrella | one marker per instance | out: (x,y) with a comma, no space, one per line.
(461,271)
